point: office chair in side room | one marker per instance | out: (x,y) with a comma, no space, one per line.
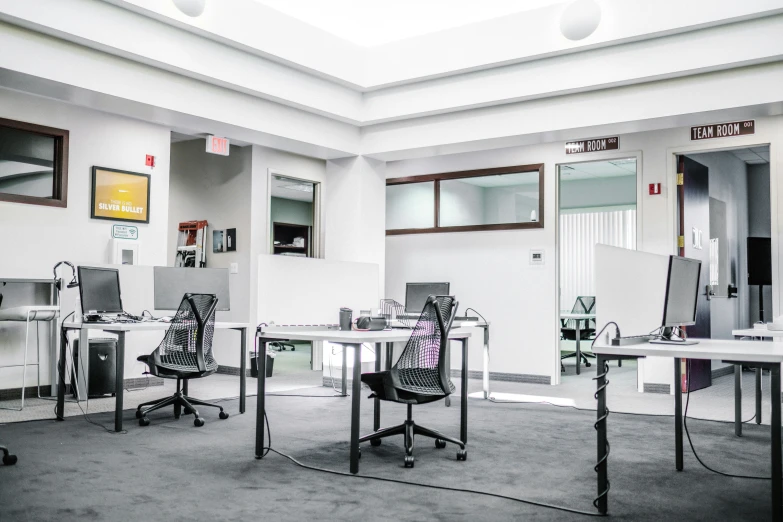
(419,376)
(185,353)
(582,305)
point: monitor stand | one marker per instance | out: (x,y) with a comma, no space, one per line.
(666,338)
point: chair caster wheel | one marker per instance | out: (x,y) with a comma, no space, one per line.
(375,442)
(409,461)
(138,414)
(462,454)
(440,444)
(587,365)
(144,421)
(197,422)
(360,452)
(223,415)
(9,460)
(293,348)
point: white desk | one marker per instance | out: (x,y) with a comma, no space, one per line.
(352,339)
(757,332)
(759,355)
(120,329)
(571,316)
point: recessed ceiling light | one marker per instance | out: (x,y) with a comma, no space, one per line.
(191,8)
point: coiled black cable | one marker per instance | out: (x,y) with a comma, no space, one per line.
(602,418)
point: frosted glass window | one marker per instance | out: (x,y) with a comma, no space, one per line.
(410,205)
(490,200)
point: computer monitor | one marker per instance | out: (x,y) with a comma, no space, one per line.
(99,289)
(172,283)
(416,295)
(682,293)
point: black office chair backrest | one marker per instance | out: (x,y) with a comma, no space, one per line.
(584,304)
(187,345)
(422,366)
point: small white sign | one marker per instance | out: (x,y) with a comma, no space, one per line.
(537,257)
(217,145)
(124,232)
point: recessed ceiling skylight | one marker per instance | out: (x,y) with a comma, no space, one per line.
(375,22)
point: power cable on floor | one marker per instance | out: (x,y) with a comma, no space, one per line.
(685,424)
(269,448)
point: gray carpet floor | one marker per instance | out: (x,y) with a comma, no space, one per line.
(171,470)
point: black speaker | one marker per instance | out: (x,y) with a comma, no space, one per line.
(759,261)
(103,366)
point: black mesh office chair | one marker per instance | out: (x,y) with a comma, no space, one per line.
(582,305)
(419,376)
(8,459)
(185,353)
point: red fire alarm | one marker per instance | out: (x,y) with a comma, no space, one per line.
(150,162)
(655,189)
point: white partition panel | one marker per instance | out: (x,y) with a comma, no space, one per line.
(294,290)
(630,289)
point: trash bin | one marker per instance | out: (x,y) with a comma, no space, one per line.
(270,364)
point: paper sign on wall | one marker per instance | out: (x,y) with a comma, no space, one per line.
(124,232)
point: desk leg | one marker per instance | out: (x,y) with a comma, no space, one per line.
(59,411)
(356,401)
(344,386)
(486,363)
(678,412)
(242,369)
(463,424)
(119,384)
(376,421)
(578,347)
(738,400)
(777,464)
(260,406)
(389,355)
(759,373)
(602,466)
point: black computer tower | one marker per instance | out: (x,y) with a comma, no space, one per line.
(103,365)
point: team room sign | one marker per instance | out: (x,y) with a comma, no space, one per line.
(120,196)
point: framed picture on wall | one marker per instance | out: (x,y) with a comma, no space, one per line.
(118,195)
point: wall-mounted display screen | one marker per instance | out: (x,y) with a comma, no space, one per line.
(120,196)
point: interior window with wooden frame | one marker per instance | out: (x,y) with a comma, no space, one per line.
(503,198)
(33,164)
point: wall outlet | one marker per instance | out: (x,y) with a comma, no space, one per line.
(233,268)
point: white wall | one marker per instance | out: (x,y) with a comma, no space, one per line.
(40,236)
(600,192)
(216,189)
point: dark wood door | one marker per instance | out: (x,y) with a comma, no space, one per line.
(694,221)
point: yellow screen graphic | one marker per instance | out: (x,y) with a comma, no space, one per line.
(120,196)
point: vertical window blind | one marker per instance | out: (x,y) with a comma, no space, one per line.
(580,231)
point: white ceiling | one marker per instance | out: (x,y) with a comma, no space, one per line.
(598,169)
(375,22)
(753,155)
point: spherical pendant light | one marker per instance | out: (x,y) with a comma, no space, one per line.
(192,8)
(580,19)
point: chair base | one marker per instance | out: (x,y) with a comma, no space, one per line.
(8,459)
(409,430)
(179,400)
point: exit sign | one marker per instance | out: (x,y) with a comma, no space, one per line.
(217,145)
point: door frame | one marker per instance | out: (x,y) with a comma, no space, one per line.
(606,156)
(317,231)
(722,145)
